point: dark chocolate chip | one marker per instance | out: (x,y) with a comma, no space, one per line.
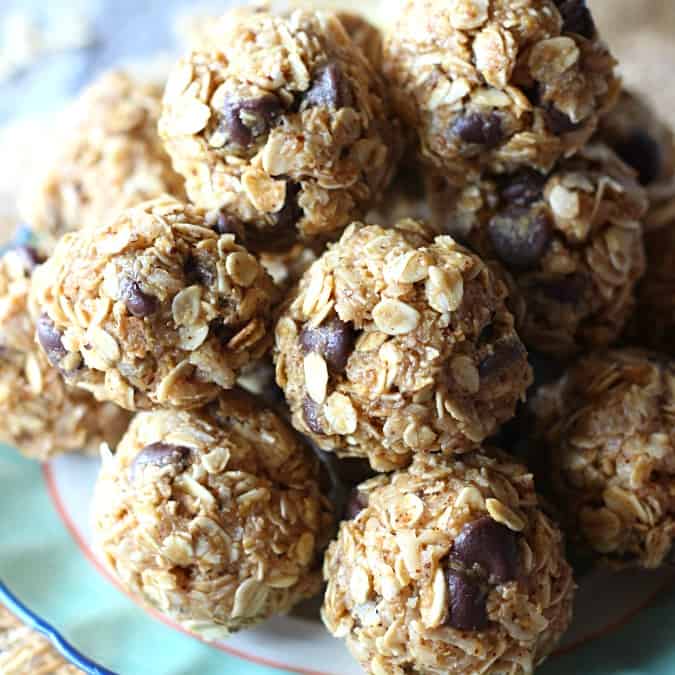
(333,339)
(159,455)
(226,223)
(139,303)
(520,236)
(558,122)
(356,502)
(466,602)
(49,337)
(198,272)
(329,88)
(479,129)
(291,212)
(506,353)
(565,290)
(642,153)
(523,188)
(245,120)
(310,413)
(577,18)
(30,258)
(490,545)
(223,332)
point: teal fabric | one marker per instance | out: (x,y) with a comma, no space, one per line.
(42,565)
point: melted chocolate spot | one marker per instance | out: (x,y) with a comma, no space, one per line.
(506,353)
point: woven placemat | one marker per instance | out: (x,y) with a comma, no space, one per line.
(25,652)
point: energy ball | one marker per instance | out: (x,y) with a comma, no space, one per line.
(41,415)
(214,517)
(498,85)
(283,122)
(398,341)
(646,143)
(572,242)
(111,158)
(449,567)
(155,308)
(608,427)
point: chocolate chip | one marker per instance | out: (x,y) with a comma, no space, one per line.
(479,129)
(198,272)
(565,290)
(310,413)
(291,212)
(466,602)
(159,455)
(245,120)
(520,236)
(506,353)
(577,18)
(49,337)
(329,88)
(139,303)
(356,502)
(491,546)
(30,258)
(558,122)
(224,332)
(333,339)
(642,153)
(226,223)
(524,188)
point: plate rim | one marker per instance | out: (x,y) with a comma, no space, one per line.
(31,619)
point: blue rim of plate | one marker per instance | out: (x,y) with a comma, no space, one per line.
(22,237)
(32,620)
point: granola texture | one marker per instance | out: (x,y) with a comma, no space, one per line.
(41,415)
(214,517)
(111,158)
(155,308)
(498,84)
(607,425)
(398,341)
(571,240)
(450,567)
(282,121)
(646,143)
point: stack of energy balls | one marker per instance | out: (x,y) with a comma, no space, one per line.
(397,221)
